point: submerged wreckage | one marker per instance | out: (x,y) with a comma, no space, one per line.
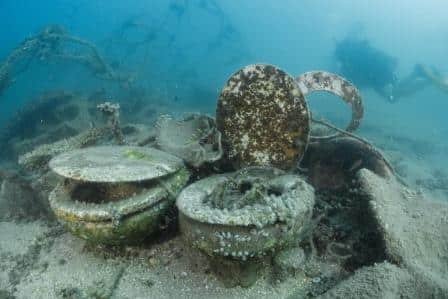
(54,43)
(260,192)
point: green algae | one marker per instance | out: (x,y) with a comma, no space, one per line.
(137,155)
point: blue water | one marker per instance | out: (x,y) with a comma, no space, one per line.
(194,45)
(181,52)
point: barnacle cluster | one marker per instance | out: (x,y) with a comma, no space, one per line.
(247,215)
(263,117)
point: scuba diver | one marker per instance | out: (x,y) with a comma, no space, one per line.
(435,77)
(366,66)
(370,67)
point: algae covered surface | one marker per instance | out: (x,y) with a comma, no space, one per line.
(223,149)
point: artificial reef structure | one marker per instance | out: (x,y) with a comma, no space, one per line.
(262,190)
(112,195)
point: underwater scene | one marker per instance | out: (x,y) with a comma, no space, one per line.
(223,149)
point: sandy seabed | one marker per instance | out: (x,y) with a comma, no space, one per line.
(38,259)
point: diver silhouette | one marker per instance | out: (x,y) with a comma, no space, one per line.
(418,79)
(369,67)
(366,66)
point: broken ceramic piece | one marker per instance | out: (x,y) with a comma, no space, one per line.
(332,164)
(195,139)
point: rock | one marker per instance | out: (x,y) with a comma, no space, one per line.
(414,229)
(18,200)
(234,273)
(415,236)
(289,261)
